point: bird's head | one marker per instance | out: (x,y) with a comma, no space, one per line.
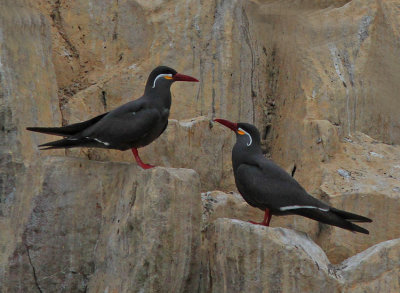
(163,77)
(247,135)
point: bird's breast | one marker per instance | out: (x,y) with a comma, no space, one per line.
(165,113)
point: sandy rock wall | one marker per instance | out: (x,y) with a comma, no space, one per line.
(248,258)
(109,226)
(317,77)
(93,40)
(28,94)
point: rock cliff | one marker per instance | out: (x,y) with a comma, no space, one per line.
(319,79)
(248,258)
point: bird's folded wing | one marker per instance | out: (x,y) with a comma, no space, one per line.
(271,186)
(124,124)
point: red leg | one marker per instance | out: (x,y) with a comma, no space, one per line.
(139,161)
(267,219)
(267,215)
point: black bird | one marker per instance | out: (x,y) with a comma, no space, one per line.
(266,186)
(130,126)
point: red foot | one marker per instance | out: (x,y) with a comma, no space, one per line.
(257,223)
(146,166)
(265,222)
(139,161)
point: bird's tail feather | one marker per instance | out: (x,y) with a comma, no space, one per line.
(51,130)
(357,228)
(350,216)
(332,218)
(338,221)
(61,144)
(68,130)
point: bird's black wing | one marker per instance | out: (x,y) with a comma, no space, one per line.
(124,125)
(269,186)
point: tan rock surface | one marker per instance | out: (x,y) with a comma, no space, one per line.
(251,258)
(151,242)
(198,144)
(113,46)
(365,178)
(374,270)
(328,64)
(109,225)
(28,95)
(217,204)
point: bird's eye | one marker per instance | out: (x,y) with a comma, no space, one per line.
(166,76)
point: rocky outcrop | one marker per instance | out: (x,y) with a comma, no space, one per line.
(98,226)
(151,242)
(217,204)
(364,178)
(197,144)
(250,258)
(28,94)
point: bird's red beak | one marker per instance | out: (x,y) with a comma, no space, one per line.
(231,125)
(182,77)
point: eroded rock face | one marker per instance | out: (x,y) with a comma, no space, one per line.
(372,270)
(217,204)
(364,178)
(198,144)
(154,246)
(28,95)
(98,225)
(251,258)
(95,42)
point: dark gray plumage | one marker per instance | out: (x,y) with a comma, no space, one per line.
(130,126)
(265,185)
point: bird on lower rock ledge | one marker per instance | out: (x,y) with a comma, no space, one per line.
(266,186)
(130,126)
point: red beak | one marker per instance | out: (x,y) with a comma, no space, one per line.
(182,77)
(231,125)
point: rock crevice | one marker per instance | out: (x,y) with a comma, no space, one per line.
(33,269)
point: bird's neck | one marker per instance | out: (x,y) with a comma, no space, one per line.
(242,154)
(159,97)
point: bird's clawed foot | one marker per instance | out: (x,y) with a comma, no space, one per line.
(259,223)
(139,161)
(146,166)
(267,219)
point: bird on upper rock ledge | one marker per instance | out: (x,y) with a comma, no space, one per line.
(266,186)
(130,126)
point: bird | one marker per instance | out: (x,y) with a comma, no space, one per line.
(129,126)
(265,185)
